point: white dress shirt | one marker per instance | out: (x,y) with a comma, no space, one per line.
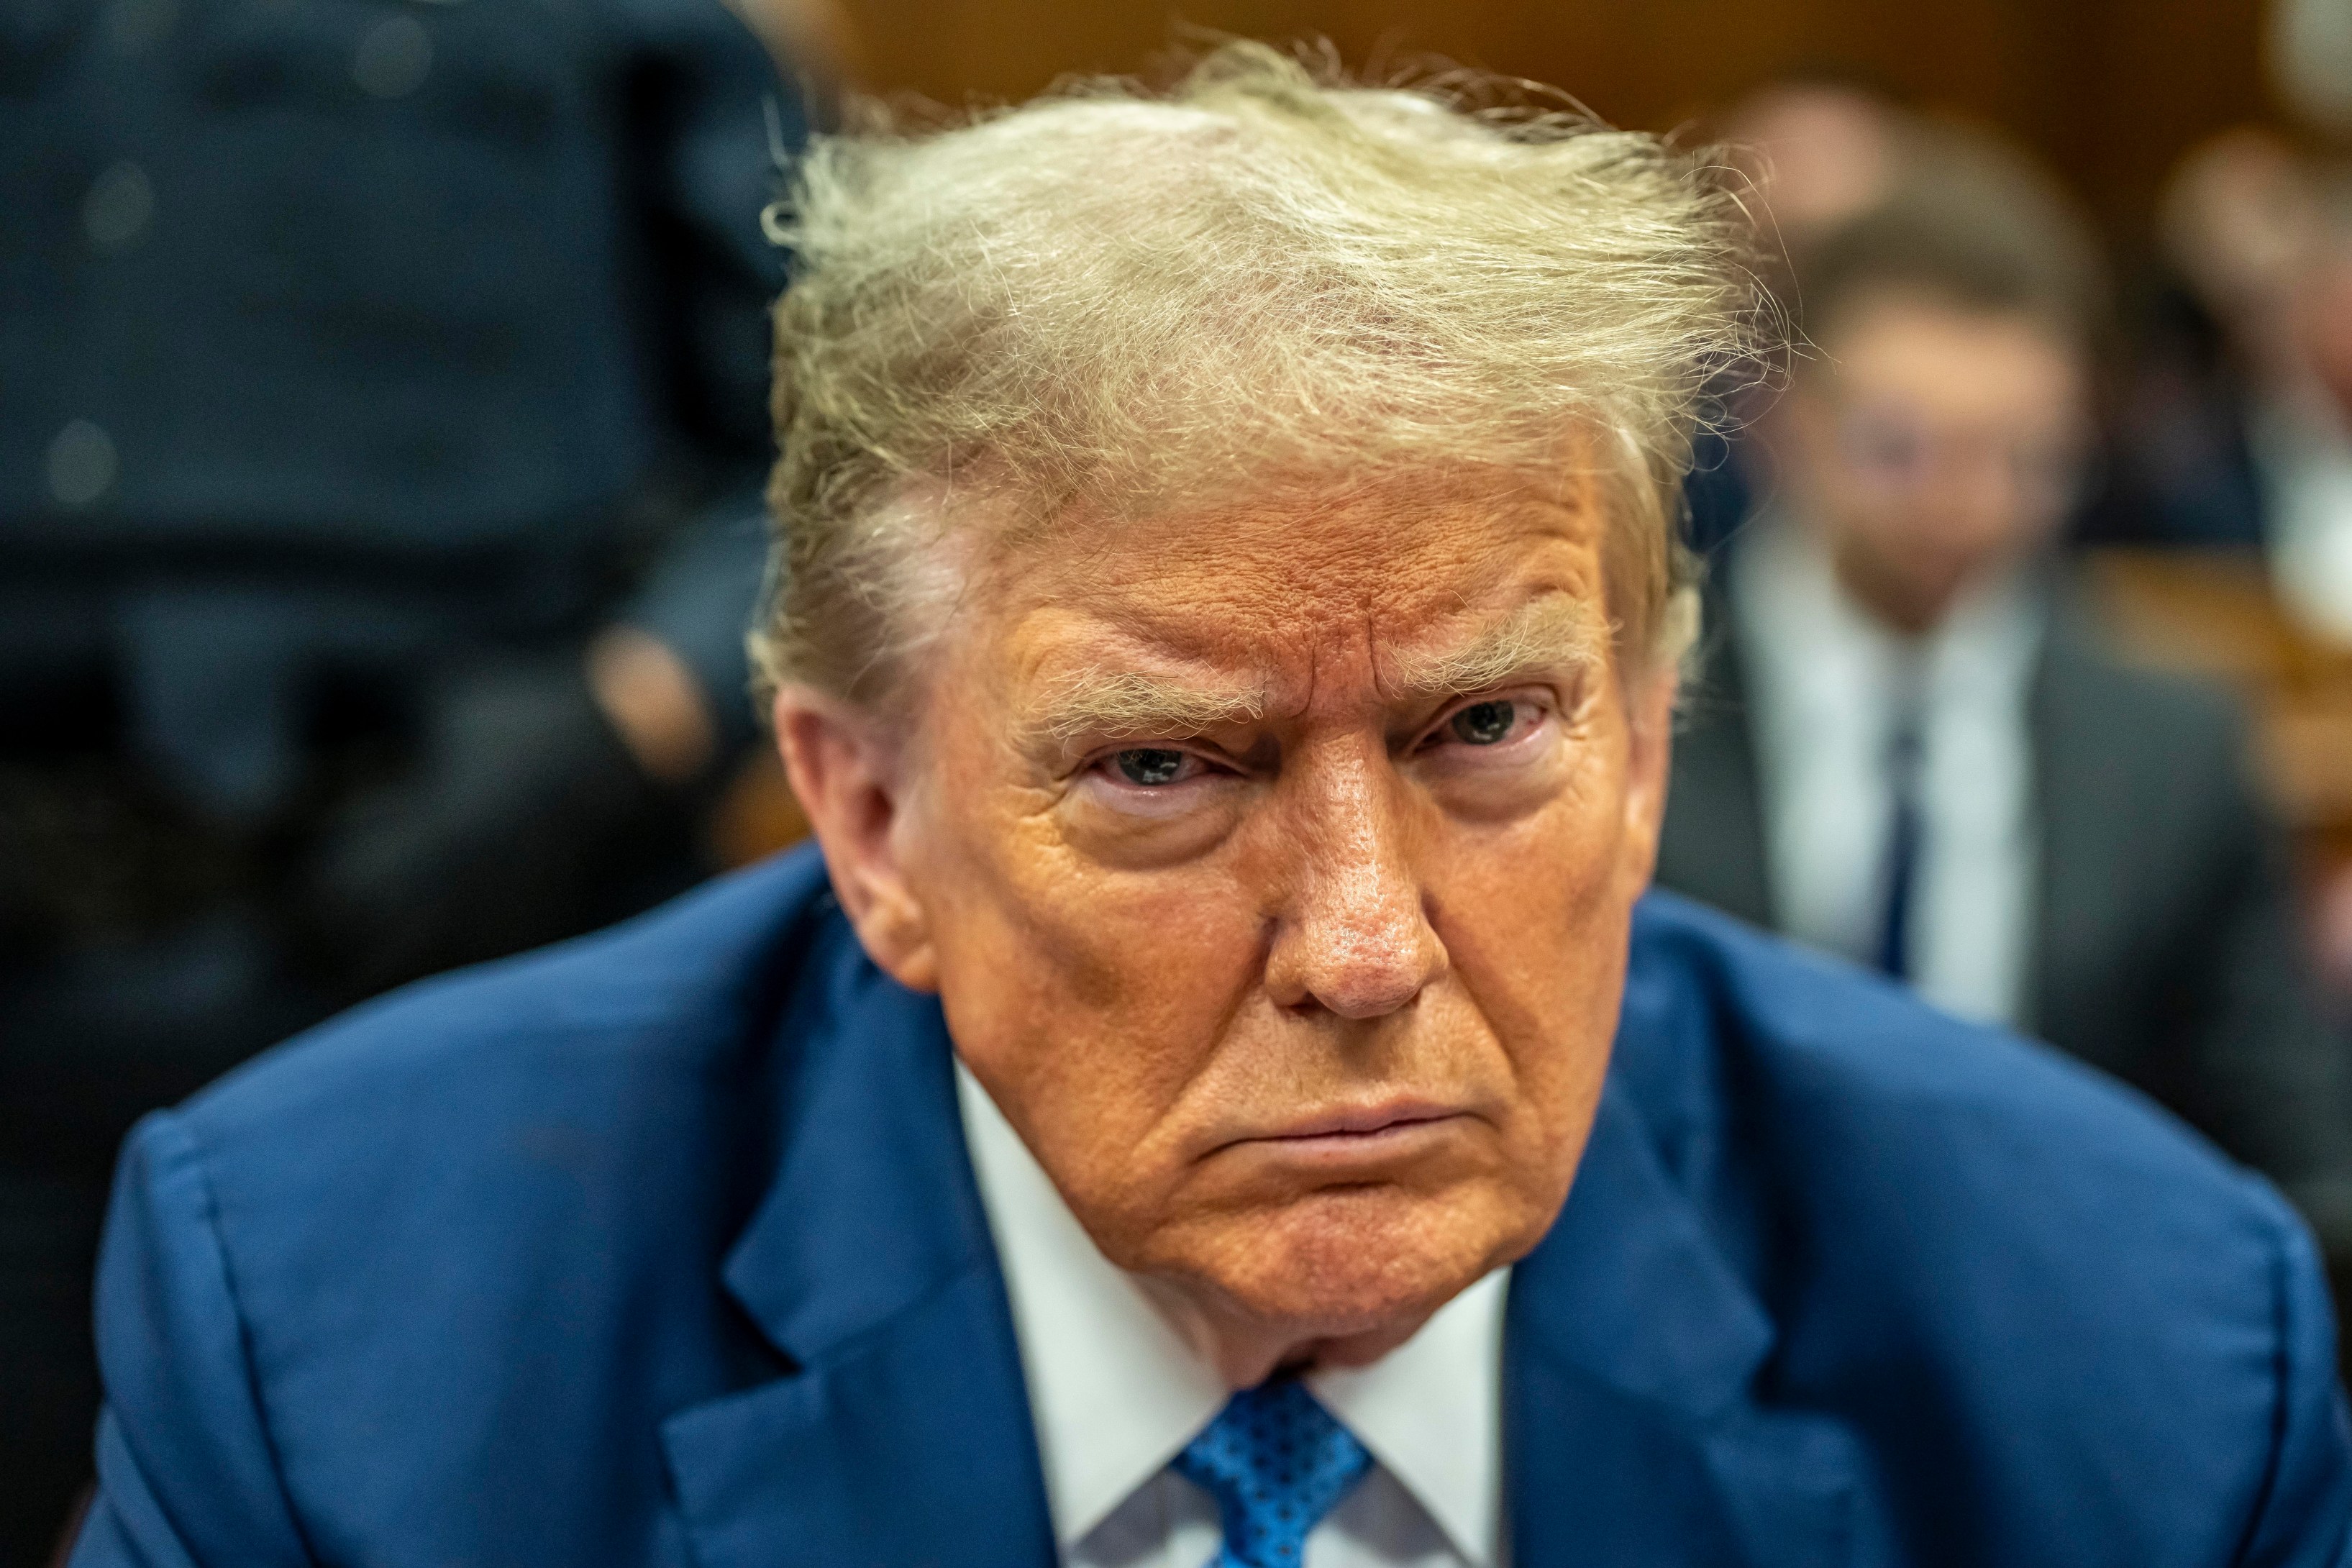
(1117,1393)
(1822,676)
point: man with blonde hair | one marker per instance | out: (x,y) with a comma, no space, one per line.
(1225,634)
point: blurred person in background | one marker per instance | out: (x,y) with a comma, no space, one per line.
(2237,430)
(2301,423)
(2184,472)
(1815,149)
(379,441)
(1904,747)
(1818,148)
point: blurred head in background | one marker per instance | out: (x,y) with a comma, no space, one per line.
(2261,235)
(1820,149)
(2232,221)
(1938,435)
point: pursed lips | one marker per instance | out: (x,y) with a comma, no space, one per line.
(1344,1131)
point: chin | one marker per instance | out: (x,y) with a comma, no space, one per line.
(1357,1259)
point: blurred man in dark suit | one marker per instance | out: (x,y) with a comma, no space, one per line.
(379,437)
(1905,746)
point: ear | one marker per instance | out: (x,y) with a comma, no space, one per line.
(1649,757)
(846,774)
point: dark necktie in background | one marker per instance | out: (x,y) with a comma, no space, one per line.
(1902,763)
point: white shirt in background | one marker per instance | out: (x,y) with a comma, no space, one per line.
(1821,678)
(2302,455)
(1115,1393)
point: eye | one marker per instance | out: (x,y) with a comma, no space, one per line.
(1490,729)
(1484,723)
(1150,765)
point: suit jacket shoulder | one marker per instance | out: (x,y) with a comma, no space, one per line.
(2062,1328)
(482,1220)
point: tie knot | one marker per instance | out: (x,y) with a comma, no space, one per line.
(1276,1462)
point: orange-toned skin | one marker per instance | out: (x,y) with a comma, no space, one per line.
(1341,909)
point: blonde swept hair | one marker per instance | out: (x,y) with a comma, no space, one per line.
(1130,302)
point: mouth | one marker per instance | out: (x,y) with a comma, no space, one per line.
(1347,1135)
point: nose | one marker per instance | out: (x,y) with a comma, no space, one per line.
(1354,936)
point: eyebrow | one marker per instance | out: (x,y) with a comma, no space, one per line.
(1548,634)
(1554,633)
(1117,705)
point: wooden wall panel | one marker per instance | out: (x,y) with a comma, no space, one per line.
(2110,91)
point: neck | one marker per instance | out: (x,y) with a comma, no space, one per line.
(1910,604)
(1247,1350)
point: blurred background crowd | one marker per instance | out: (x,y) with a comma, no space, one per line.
(383,425)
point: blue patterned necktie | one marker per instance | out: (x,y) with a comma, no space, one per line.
(1276,1462)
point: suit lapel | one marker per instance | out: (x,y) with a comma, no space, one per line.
(1632,1352)
(2083,785)
(905,1435)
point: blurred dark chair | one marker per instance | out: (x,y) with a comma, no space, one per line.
(385,397)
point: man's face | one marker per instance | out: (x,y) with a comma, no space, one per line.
(1936,446)
(1273,866)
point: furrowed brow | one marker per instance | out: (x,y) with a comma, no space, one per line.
(1117,705)
(1547,636)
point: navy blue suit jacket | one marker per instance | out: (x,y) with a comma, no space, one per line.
(662,1247)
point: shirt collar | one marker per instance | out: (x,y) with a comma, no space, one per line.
(1812,638)
(1431,1411)
(1115,1393)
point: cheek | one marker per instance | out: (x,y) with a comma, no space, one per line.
(1535,919)
(1086,1000)
(1087,947)
(1551,863)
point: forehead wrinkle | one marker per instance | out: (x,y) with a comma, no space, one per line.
(1223,662)
(1556,631)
